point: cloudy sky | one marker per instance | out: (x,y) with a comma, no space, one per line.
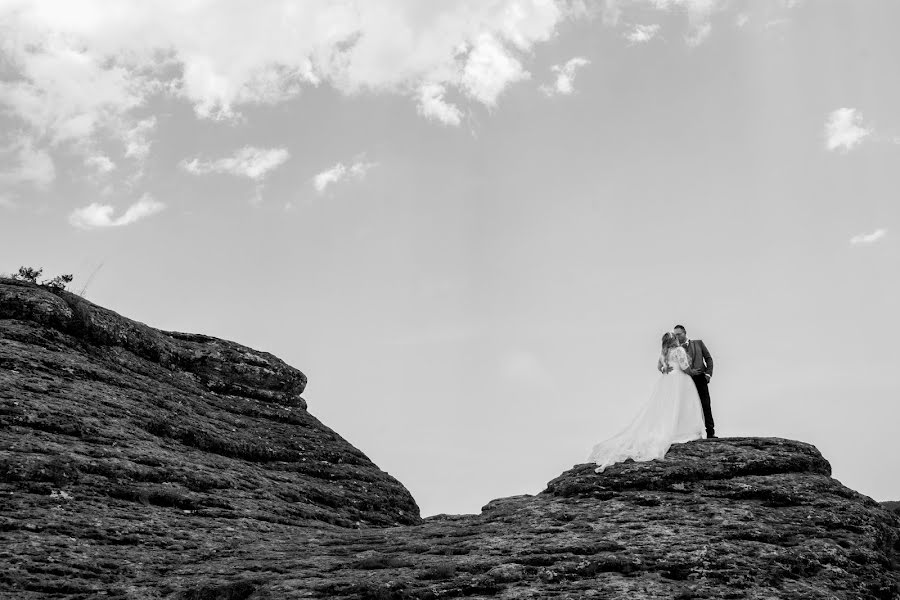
(470,222)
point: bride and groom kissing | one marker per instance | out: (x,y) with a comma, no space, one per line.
(678,409)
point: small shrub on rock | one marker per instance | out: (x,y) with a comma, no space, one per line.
(30,274)
(59,282)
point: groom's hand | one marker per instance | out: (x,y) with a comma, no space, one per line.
(708,377)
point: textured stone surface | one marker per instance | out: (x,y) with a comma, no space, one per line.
(114,435)
(219,365)
(136,463)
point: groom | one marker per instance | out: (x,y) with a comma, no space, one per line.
(701,372)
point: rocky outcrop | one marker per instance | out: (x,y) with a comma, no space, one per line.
(729,518)
(129,419)
(137,463)
(223,367)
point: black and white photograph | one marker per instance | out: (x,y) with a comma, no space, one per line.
(484,299)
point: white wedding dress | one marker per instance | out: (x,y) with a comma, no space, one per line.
(672,415)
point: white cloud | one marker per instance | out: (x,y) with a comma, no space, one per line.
(101,163)
(565,76)
(80,73)
(85,69)
(33,165)
(63,91)
(98,215)
(868,238)
(698,12)
(433,105)
(844,130)
(137,138)
(359,169)
(642,33)
(329,176)
(254,163)
(79,76)
(339,172)
(6,201)
(490,68)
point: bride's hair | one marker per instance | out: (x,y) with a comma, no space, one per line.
(669,340)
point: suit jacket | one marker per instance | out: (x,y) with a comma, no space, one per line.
(701,359)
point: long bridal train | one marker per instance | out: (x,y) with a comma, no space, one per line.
(672,415)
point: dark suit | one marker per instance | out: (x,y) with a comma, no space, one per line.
(702,364)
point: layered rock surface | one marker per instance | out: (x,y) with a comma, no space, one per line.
(137,463)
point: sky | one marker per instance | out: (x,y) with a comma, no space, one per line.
(470,222)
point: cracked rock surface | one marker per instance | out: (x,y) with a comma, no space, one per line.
(138,463)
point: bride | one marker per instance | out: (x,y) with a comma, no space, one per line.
(672,415)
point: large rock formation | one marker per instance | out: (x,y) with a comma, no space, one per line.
(137,463)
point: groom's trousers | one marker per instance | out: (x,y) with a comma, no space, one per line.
(703,391)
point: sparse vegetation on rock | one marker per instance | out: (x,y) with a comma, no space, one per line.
(28,274)
(59,282)
(31,275)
